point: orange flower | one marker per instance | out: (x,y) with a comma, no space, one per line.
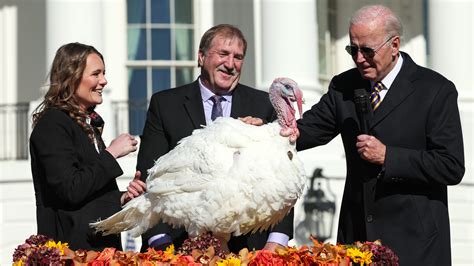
(106,255)
(97,263)
(185,259)
(266,257)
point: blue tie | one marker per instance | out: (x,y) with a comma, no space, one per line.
(216,107)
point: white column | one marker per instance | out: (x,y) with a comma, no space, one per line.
(114,50)
(451,42)
(8,54)
(86,22)
(204,12)
(286,43)
(8,77)
(114,46)
(73,21)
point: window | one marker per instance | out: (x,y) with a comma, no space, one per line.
(326,15)
(160,52)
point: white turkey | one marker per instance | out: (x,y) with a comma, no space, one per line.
(227,178)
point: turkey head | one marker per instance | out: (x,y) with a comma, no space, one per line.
(283,92)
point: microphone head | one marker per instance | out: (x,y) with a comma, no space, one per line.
(360,93)
(362,106)
(361,100)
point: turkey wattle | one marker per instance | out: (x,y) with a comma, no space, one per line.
(226,178)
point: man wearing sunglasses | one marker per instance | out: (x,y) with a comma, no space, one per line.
(412,148)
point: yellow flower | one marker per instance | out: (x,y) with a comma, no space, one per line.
(231,261)
(18,263)
(59,245)
(357,256)
(169,250)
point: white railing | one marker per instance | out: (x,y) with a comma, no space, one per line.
(14,131)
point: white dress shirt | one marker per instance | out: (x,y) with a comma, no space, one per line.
(388,80)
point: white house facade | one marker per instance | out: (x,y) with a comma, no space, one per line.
(151,45)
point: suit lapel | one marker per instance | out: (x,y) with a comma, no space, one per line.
(238,103)
(194,107)
(399,91)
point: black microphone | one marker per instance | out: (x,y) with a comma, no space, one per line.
(362,105)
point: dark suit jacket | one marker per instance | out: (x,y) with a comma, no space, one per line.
(74,185)
(172,115)
(406,206)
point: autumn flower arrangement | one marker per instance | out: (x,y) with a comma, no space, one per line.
(205,250)
(39,250)
(373,253)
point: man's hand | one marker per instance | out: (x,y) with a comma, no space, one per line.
(251,120)
(371,149)
(291,133)
(272,246)
(135,188)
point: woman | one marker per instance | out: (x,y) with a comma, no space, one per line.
(73,172)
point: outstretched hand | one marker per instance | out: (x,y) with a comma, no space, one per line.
(271,246)
(251,120)
(291,133)
(122,145)
(135,188)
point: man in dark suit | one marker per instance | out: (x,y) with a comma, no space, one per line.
(173,114)
(398,171)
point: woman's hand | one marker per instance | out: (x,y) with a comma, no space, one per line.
(135,188)
(122,145)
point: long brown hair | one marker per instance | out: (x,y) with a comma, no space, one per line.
(65,77)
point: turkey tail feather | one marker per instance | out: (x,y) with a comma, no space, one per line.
(134,216)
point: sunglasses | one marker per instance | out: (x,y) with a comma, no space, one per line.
(367,52)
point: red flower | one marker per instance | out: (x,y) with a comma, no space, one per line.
(97,263)
(266,257)
(185,259)
(106,255)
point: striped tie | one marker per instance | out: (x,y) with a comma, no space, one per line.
(375,99)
